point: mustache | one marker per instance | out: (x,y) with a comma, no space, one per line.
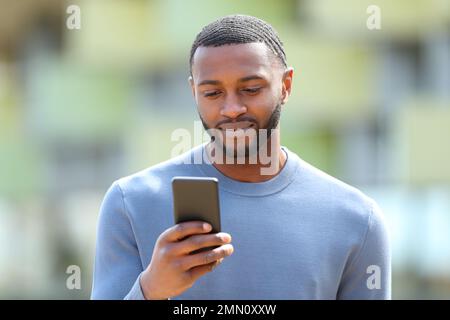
(239,119)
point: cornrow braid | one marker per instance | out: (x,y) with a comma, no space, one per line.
(238,29)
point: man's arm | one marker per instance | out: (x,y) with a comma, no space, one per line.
(118,271)
(117,263)
(368,274)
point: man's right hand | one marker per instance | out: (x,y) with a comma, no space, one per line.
(172,269)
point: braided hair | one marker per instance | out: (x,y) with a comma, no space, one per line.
(239,29)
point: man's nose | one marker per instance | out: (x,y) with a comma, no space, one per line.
(233,107)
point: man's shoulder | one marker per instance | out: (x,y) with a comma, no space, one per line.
(339,196)
(156,176)
(347,208)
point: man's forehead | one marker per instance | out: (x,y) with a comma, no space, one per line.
(248,58)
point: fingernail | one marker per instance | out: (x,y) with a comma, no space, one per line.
(207,227)
(225,237)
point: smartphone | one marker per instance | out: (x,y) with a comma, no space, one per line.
(197,198)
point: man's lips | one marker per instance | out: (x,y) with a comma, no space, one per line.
(237,125)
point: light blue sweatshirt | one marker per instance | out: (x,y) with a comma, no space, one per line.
(300,235)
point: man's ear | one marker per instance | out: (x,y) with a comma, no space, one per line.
(191,82)
(287,84)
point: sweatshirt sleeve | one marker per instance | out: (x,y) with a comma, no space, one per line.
(117,265)
(368,274)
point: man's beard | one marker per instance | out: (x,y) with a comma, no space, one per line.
(271,125)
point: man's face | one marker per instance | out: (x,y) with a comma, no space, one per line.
(240,86)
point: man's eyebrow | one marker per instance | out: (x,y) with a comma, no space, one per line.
(253,77)
(205,82)
(217,82)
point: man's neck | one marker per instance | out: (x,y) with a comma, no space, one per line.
(252,172)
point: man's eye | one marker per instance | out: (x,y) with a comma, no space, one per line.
(211,93)
(252,90)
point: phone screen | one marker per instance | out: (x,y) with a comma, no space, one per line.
(196,198)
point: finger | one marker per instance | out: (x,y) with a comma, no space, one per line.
(196,242)
(199,271)
(207,257)
(184,229)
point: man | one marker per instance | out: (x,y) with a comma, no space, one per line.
(297,232)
